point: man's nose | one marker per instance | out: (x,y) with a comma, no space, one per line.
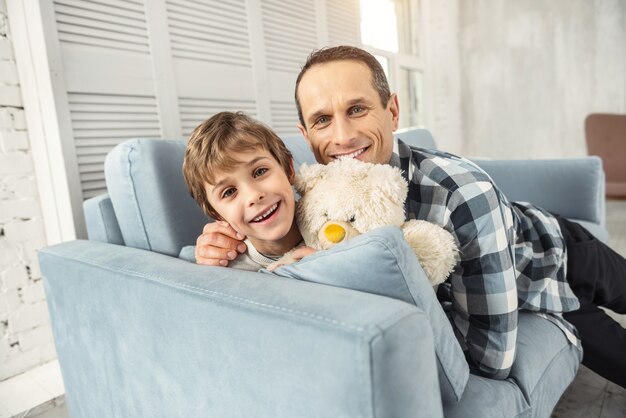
(344,131)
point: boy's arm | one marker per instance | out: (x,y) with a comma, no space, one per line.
(484,289)
(218,244)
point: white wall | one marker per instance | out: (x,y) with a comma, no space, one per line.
(442,87)
(532,70)
(25,335)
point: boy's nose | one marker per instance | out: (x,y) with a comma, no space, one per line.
(255,197)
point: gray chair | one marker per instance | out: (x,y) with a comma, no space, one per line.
(140,332)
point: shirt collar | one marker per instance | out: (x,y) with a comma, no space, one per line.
(257,257)
(395,155)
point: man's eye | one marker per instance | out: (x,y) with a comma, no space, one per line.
(357,110)
(321,121)
(228,192)
(260,171)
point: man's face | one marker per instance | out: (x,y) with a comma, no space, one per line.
(343,114)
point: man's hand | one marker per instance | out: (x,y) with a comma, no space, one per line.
(291,257)
(218,244)
(301,252)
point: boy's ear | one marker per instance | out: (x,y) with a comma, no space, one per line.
(292,173)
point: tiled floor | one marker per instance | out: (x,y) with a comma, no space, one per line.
(41,386)
(589,396)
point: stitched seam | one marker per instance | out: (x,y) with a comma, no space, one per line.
(377,330)
(134,196)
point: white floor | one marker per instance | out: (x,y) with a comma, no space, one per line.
(28,394)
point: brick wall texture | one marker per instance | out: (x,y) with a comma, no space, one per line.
(25,334)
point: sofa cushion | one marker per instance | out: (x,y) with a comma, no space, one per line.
(153,207)
(545,365)
(381,262)
(101,221)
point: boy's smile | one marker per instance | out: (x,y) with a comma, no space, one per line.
(256,198)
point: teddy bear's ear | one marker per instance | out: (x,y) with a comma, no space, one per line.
(308,176)
(388,181)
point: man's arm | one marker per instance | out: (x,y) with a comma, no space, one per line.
(484,289)
(218,244)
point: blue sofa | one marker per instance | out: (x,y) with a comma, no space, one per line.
(142,332)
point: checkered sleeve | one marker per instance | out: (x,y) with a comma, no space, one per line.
(484,292)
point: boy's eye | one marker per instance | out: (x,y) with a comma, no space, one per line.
(228,192)
(260,171)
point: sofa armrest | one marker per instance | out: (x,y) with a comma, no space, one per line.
(101,220)
(571,187)
(140,333)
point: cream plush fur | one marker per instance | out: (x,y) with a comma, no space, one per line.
(348,197)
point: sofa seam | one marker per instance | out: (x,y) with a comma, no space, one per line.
(548,367)
(398,318)
(374,329)
(103,220)
(134,199)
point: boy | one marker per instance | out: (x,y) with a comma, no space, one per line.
(239,171)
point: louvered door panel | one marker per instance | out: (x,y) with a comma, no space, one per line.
(284,117)
(211,57)
(212,31)
(343,20)
(194,111)
(290,36)
(109,80)
(117,25)
(289,33)
(99,123)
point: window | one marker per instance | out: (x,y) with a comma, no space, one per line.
(390,30)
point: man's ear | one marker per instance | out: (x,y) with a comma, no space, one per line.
(304,133)
(394,108)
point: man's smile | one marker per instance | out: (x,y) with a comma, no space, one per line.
(353,154)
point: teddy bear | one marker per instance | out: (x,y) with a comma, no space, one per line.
(348,197)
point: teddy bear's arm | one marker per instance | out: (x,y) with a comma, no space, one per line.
(434,247)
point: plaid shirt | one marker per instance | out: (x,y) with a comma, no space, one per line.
(512,255)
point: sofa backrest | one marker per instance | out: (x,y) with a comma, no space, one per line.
(150,198)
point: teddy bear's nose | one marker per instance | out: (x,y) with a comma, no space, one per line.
(334,233)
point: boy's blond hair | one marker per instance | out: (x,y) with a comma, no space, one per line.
(213,147)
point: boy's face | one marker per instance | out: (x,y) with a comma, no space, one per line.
(256,198)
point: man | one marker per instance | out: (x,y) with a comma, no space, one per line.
(513,255)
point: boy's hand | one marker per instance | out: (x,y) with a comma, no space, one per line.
(218,244)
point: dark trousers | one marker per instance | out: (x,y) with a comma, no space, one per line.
(597,275)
